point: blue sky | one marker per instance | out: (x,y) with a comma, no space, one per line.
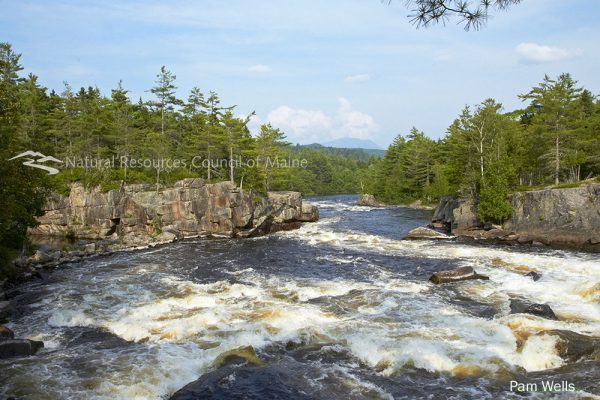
(317,69)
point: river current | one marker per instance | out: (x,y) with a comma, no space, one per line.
(339,309)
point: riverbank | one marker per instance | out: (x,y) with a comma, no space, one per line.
(135,218)
(368,200)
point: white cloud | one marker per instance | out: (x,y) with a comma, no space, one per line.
(308,126)
(357,78)
(533,52)
(261,68)
(300,125)
(353,123)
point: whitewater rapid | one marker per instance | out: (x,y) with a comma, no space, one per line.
(141,325)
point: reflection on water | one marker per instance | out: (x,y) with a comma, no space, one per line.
(338,309)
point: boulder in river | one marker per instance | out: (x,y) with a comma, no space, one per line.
(19,347)
(536,276)
(369,200)
(518,306)
(456,275)
(244,354)
(573,346)
(425,233)
(6,333)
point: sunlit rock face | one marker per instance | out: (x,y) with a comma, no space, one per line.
(189,208)
(556,217)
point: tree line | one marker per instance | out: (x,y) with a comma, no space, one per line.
(488,153)
(83,125)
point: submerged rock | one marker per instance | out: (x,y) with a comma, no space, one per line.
(518,269)
(518,306)
(244,354)
(425,233)
(271,381)
(456,275)
(19,347)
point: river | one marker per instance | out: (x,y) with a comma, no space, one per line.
(339,309)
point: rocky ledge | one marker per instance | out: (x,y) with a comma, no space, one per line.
(190,208)
(559,218)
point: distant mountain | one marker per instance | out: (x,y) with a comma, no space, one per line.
(356,153)
(352,143)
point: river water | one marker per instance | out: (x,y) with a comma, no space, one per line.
(339,309)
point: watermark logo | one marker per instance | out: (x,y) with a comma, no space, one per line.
(35,159)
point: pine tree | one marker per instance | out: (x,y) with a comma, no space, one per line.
(124,138)
(269,148)
(553,104)
(494,205)
(165,93)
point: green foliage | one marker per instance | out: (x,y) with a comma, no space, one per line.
(487,153)
(23,189)
(484,155)
(494,205)
(156,226)
(555,115)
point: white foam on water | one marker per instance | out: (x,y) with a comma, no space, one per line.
(387,321)
(539,352)
(565,276)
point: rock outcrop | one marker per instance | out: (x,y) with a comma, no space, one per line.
(190,208)
(369,200)
(425,233)
(560,217)
(455,215)
(563,218)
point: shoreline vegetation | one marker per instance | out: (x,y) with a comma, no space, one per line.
(487,153)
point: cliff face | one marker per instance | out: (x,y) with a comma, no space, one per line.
(190,208)
(555,217)
(567,216)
